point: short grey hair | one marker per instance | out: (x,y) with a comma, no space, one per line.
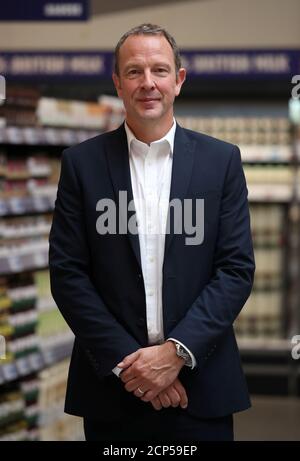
(148,29)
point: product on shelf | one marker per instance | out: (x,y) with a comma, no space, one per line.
(262,316)
(72,114)
(36,334)
(265,145)
(20,106)
(115,111)
(19,410)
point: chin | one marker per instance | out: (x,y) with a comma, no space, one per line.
(151,115)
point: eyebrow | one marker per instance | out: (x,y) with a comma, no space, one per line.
(156,64)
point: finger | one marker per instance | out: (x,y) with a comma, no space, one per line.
(164,399)
(181,391)
(137,392)
(150,395)
(133,384)
(156,404)
(128,375)
(174,397)
(128,360)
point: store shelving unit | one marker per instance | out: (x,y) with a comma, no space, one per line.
(265,325)
(36,361)
(37,338)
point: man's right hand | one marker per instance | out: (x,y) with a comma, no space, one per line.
(174,395)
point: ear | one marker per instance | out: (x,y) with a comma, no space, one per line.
(180,80)
(117,83)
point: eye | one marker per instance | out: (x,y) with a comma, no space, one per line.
(133,72)
(161,70)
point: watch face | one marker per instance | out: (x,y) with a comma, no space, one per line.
(181,352)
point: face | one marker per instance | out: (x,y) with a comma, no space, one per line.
(147,80)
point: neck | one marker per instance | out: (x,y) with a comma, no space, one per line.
(147,132)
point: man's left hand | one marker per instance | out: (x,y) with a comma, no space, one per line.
(150,370)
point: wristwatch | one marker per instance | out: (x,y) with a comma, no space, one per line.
(181,352)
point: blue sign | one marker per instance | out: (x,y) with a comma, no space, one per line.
(249,64)
(44,10)
(243,64)
(56,65)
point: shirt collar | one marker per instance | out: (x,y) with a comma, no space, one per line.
(169,137)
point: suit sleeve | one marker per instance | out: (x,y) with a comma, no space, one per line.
(104,339)
(219,303)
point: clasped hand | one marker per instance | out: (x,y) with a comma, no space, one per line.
(154,371)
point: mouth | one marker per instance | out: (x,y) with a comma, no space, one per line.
(148,99)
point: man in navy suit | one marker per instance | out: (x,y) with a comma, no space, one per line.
(151,261)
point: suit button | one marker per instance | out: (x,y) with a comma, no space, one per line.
(140,276)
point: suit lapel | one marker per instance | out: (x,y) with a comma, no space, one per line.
(183,160)
(118,163)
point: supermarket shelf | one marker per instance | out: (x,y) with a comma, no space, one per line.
(279,193)
(19,206)
(264,346)
(268,370)
(66,136)
(58,351)
(26,262)
(35,361)
(44,136)
(271,359)
(265,154)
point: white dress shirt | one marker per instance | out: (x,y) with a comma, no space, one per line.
(151,170)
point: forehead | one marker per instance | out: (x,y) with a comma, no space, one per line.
(141,47)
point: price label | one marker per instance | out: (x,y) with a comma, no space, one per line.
(3,206)
(68,137)
(16,206)
(23,366)
(27,204)
(9,371)
(14,135)
(35,361)
(49,356)
(30,136)
(50,135)
(15,263)
(38,203)
(4,266)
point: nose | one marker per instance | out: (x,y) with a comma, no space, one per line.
(148,82)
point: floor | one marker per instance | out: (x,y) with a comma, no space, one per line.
(270,418)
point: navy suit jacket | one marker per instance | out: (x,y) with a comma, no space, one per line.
(97,280)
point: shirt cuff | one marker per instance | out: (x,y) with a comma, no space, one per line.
(117,371)
(194,362)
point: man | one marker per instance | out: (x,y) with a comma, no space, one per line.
(155,356)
